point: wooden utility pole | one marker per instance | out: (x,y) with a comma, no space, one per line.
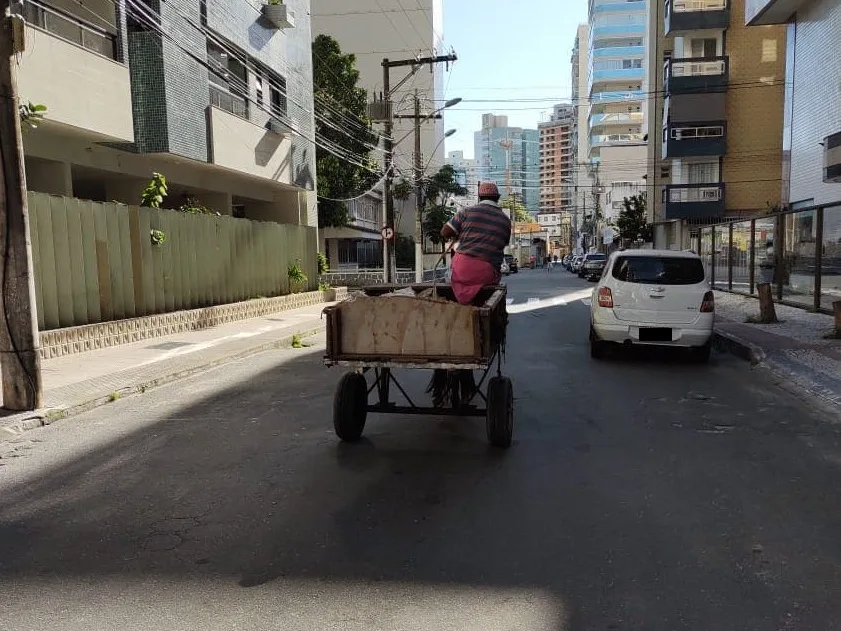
(20,362)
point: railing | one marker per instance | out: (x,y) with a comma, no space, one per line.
(224,100)
(702,67)
(615,118)
(693,193)
(690,6)
(71,28)
(606,138)
(797,251)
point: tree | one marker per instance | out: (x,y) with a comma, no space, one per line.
(518,210)
(438,192)
(632,222)
(342,121)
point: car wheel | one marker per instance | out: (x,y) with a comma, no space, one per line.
(701,354)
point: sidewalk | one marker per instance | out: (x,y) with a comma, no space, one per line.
(76,383)
(795,349)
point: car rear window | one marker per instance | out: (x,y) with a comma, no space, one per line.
(658,270)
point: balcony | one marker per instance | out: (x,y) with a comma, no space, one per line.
(763,12)
(73,67)
(684,16)
(686,140)
(686,76)
(610,140)
(620,52)
(694,201)
(616,118)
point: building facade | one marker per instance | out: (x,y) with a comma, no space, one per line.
(580,63)
(556,159)
(720,116)
(616,85)
(222,107)
(810,130)
(509,156)
(467,174)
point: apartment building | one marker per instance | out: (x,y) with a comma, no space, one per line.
(719,114)
(580,62)
(509,156)
(555,148)
(467,173)
(211,93)
(812,130)
(616,88)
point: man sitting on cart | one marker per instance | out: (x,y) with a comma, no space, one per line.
(483,231)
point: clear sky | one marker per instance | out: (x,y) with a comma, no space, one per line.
(519,50)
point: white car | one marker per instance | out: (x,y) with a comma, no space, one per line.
(504,268)
(653,297)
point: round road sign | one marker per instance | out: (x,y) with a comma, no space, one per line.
(388,233)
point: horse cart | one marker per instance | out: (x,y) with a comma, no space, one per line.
(383,328)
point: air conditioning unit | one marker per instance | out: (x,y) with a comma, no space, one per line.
(832,158)
(279,15)
(709,194)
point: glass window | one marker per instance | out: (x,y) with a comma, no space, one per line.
(659,270)
(831,261)
(797,272)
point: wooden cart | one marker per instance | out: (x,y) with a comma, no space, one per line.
(379,331)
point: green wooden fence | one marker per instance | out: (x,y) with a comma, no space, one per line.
(95,262)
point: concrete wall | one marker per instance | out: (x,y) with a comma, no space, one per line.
(80,88)
(96,262)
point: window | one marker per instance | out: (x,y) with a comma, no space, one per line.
(228,80)
(702,173)
(277,92)
(658,270)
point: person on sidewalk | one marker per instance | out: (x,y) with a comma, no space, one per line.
(483,231)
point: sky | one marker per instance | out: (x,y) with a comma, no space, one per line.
(521,51)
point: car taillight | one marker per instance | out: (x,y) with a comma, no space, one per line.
(708,304)
(606,298)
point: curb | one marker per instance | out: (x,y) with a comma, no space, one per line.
(13,426)
(735,345)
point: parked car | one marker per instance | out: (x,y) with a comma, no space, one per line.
(593,267)
(653,297)
(576,264)
(513,267)
(587,258)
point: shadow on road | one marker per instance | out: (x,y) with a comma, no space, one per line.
(250,486)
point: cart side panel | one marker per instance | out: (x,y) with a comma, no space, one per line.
(400,326)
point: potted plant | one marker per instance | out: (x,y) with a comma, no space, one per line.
(278,14)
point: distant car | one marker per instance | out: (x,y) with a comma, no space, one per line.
(653,297)
(512,263)
(593,267)
(588,258)
(504,268)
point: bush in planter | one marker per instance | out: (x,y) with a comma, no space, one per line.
(297,277)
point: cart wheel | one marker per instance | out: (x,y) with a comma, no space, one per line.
(500,423)
(350,407)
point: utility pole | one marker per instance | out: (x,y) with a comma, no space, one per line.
(20,361)
(419,203)
(388,198)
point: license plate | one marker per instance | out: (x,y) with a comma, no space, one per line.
(655,335)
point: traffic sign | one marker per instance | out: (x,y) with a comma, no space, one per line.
(388,233)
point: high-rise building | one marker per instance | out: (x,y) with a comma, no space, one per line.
(556,159)
(580,131)
(223,109)
(716,124)
(616,87)
(467,175)
(509,156)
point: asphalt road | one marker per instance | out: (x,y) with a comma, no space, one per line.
(641,493)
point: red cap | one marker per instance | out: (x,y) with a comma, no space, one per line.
(488,189)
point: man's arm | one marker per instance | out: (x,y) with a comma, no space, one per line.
(452,228)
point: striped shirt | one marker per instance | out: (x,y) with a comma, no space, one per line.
(483,232)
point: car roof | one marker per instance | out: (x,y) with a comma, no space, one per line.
(678,254)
